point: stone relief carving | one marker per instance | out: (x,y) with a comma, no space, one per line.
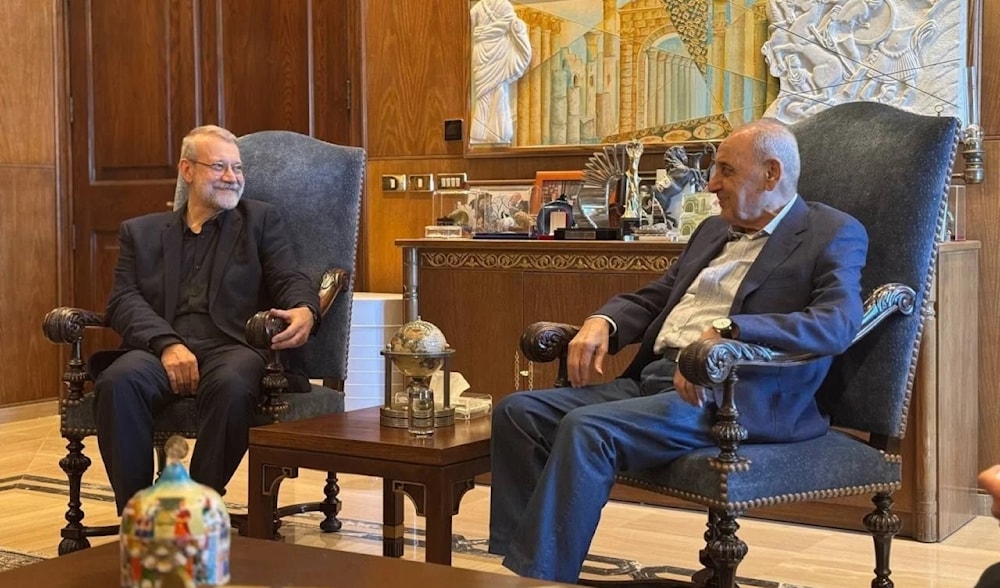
(907,53)
(501,52)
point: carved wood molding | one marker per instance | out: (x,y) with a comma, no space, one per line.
(546,261)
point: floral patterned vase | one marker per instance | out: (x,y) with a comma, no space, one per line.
(176,532)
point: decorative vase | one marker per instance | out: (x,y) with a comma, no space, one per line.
(176,532)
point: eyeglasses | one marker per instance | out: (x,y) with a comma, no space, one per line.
(221,167)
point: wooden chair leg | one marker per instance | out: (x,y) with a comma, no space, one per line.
(330,507)
(706,576)
(726,550)
(74,464)
(883,524)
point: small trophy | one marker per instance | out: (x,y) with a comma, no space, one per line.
(632,215)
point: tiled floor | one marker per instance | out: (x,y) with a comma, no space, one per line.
(32,491)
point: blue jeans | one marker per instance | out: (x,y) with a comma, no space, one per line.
(555,454)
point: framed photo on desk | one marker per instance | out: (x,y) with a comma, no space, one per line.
(551,184)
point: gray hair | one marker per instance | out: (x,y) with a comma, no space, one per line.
(188,151)
(772,139)
(188,144)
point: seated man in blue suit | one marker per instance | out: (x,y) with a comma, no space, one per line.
(770,269)
(185,285)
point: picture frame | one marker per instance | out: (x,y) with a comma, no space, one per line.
(501,206)
(549,185)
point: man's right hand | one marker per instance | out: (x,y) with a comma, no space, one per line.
(182,369)
(587,349)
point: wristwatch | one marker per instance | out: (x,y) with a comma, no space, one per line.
(725,327)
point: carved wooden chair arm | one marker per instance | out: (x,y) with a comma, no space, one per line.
(711,362)
(543,342)
(715,362)
(67,325)
(263,326)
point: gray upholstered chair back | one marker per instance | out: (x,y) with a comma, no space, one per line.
(317,185)
(889,169)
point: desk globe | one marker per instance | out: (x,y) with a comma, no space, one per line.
(419,350)
(176,532)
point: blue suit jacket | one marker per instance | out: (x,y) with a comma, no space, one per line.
(255,269)
(802,295)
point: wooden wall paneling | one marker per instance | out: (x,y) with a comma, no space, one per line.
(570,299)
(417,75)
(958,414)
(983,218)
(28,255)
(337,77)
(396,215)
(27,126)
(464,306)
(30,251)
(263,76)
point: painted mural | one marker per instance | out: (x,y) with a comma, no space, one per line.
(605,71)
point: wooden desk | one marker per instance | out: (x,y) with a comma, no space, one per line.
(482,294)
(435,472)
(270,563)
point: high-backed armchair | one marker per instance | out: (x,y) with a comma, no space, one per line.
(890,170)
(317,186)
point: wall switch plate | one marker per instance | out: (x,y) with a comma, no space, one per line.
(452,181)
(393,182)
(453,129)
(420,182)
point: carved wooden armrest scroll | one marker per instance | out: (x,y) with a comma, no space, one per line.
(715,362)
(543,342)
(263,326)
(67,325)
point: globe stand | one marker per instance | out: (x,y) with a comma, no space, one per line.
(418,367)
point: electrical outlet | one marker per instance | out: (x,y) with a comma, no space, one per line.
(452,181)
(421,182)
(393,183)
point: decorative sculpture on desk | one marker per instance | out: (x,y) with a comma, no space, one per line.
(176,532)
(419,350)
(684,176)
(633,207)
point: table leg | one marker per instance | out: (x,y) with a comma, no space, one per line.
(441,501)
(264,483)
(392,520)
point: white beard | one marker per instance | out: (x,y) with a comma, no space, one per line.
(224,199)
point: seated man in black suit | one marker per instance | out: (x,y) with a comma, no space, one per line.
(185,284)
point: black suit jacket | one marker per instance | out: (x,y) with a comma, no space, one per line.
(255,269)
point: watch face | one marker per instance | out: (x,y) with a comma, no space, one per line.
(722,324)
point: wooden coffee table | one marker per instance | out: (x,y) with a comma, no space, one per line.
(270,563)
(435,471)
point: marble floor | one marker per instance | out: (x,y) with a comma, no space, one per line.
(33,493)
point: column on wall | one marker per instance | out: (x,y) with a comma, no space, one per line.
(558,106)
(757,65)
(654,88)
(607,118)
(573,110)
(546,79)
(588,94)
(717,56)
(735,44)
